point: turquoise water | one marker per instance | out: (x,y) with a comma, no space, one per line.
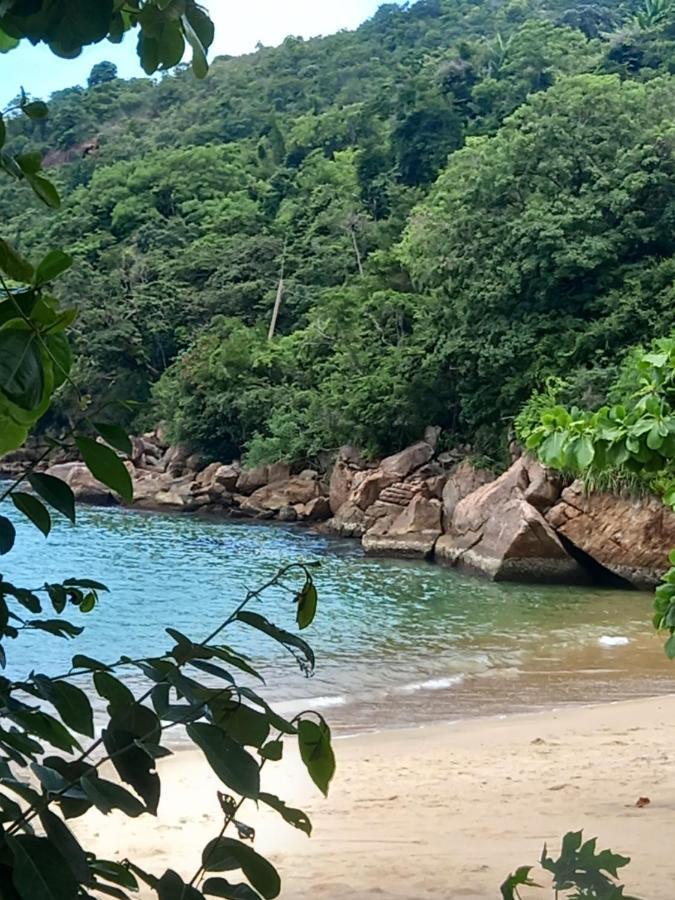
(397,643)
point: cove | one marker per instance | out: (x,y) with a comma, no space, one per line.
(397,643)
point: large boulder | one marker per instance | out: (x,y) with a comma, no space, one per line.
(317,510)
(84,486)
(497,532)
(464,480)
(628,536)
(412,532)
(347,465)
(228,476)
(349,521)
(402,464)
(280,494)
(251,480)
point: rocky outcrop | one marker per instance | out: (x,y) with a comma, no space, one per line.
(630,537)
(498,532)
(412,531)
(293,491)
(464,480)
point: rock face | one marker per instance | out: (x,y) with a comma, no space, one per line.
(497,532)
(629,537)
(411,532)
(464,480)
(281,494)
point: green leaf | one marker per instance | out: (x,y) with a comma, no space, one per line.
(584,451)
(80,661)
(239,662)
(172,887)
(21,372)
(70,702)
(307,602)
(40,872)
(232,764)
(133,764)
(106,466)
(241,723)
(29,163)
(107,796)
(36,109)
(295,817)
(273,751)
(115,872)
(521,877)
(34,510)
(7,535)
(54,264)
(46,728)
(224,854)
(669,647)
(14,265)
(3,127)
(58,627)
(218,887)
(45,190)
(113,690)
(299,648)
(200,64)
(67,845)
(115,436)
(671,557)
(317,753)
(55,492)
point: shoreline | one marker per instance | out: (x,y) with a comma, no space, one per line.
(438,811)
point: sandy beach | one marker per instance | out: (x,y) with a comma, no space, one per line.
(445,811)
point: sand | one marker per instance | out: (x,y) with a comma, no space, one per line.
(444,811)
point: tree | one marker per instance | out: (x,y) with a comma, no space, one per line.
(232,724)
(101,73)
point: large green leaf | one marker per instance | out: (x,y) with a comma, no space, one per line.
(13,264)
(7,535)
(70,702)
(40,872)
(67,844)
(132,763)
(314,740)
(22,377)
(45,190)
(116,436)
(219,887)
(54,264)
(224,854)
(307,602)
(107,796)
(55,492)
(299,648)
(31,507)
(232,764)
(172,887)
(105,465)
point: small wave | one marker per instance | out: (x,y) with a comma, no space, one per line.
(609,640)
(432,684)
(292,707)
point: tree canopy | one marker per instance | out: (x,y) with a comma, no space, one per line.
(463,200)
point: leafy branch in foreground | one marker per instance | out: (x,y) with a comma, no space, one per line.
(579,873)
(193,686)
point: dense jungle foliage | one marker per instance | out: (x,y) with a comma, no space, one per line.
(463,199)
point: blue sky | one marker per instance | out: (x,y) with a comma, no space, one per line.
(239,26)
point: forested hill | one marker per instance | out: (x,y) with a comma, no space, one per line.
(465,198)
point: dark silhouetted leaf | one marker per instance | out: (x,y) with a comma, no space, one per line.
(218,887)
(107,796)
(67,845)
(34,510)
(14,265)
(316,752)
(295,817)
(224,854)
(7,535)
(40,872)
(105,465)
(21,373)
(232,764)
(299,648)
(55,492)
(115,436)
(307,601)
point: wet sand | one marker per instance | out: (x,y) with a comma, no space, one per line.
(442,811)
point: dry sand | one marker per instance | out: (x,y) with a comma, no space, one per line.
(445,811)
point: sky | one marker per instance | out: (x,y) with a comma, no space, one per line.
(239,26)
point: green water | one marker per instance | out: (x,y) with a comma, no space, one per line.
(397,643)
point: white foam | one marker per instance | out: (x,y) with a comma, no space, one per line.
(432,684)
(609,640)
(292,707)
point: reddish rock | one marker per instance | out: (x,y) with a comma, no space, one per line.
(251,480)
(228,476)
(412,532)
(464,480)
(317,510)
(629,536)
(495,531)
(280,494)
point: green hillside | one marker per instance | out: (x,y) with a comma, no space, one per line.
(465,198)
